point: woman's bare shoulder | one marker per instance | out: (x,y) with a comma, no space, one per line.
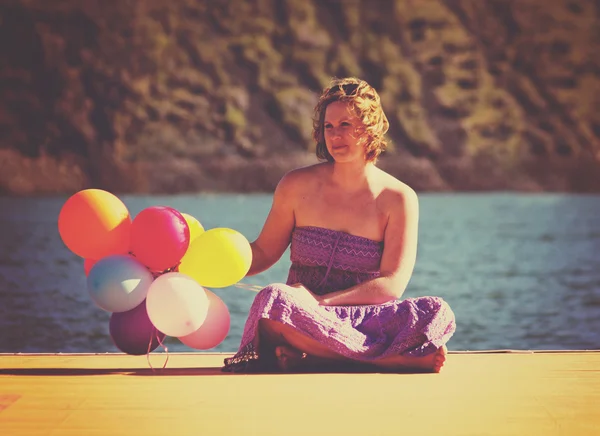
(300,177)
(394,192)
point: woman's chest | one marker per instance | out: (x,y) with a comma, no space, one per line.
(360,214)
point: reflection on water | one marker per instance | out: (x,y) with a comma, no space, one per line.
(519,271)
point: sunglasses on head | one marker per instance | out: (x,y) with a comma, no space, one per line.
(349,89)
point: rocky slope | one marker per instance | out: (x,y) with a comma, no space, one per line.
(184,95)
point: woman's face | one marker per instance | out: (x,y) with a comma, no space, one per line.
(343,132)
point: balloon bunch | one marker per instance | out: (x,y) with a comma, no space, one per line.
(151,272)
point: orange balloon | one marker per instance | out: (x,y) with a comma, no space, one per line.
(87,265)
(94,224)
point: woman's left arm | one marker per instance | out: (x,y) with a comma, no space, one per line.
(397,261)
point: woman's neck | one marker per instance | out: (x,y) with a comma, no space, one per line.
(352,176)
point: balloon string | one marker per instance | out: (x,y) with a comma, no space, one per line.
(254,288)
(160,342)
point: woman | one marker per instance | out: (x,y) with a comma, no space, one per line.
(353,233)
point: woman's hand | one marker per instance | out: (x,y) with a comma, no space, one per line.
(316,297)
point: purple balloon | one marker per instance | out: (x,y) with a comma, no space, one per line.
(132,331)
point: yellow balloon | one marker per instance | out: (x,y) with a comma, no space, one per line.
(217,258)
(194,225)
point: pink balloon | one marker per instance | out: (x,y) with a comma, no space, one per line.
(214,329)
(159,237)
(87,265)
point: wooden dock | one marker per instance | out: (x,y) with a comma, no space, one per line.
(494,393)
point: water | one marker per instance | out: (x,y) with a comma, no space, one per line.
(520,271)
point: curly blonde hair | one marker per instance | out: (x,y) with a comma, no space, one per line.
(366,104)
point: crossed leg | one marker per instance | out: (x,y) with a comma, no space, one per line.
(295,351)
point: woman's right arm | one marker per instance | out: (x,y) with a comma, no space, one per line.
(277,230)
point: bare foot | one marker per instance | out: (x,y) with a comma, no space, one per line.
(288,358)
(439,358)
(431,363)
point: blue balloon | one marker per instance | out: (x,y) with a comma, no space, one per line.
(119,283)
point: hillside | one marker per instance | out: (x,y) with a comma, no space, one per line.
(181,95)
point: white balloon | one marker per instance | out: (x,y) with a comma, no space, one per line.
(177,305)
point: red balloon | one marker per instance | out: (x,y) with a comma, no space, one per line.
(159,237)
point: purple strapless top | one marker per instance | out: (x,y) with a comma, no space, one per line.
(326,260)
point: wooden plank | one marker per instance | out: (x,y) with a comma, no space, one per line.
(476,394)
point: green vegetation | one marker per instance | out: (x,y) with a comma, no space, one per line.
(121,89)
